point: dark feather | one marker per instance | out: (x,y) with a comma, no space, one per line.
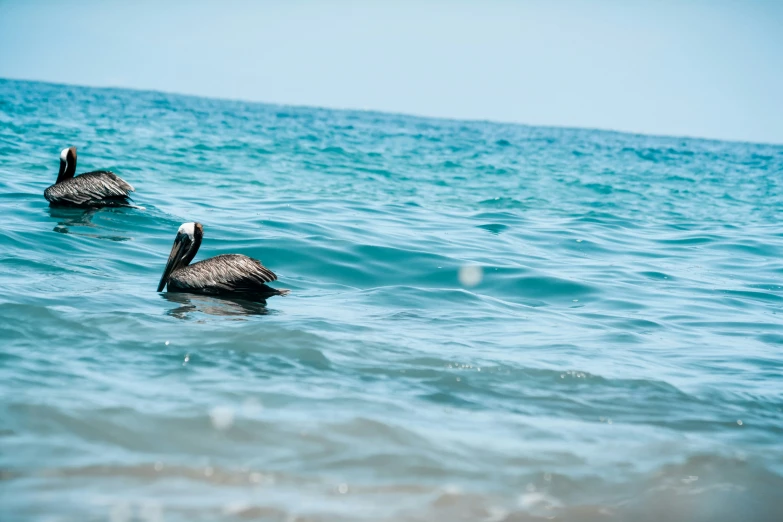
(225,274)
(98,188)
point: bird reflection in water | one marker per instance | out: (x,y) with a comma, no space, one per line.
(73,217)
(220,306)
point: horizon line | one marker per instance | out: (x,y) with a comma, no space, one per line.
(390,113)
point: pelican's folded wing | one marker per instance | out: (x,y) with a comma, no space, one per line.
(225,273)
(90,187)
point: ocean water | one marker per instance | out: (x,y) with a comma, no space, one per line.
(486,321)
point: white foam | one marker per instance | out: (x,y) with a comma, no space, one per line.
(470,275)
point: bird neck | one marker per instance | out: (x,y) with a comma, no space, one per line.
(188,257)
(67,170)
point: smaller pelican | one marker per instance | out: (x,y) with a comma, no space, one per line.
(100,188)
(227,275)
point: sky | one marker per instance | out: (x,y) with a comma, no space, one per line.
(709,69)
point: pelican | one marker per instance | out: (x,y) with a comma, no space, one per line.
(100,188)
(224,275)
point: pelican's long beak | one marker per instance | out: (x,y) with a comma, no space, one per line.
(178,251)
(63,164)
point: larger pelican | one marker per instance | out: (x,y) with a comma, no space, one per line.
(227,274)
(100,188)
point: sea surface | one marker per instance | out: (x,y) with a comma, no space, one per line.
(487,322)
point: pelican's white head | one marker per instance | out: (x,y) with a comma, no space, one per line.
(189,229)
(186,245)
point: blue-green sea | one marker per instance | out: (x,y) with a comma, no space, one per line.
(487,322)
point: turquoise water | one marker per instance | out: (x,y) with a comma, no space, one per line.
(612,351)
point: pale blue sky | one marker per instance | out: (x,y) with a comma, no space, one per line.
(699,68)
